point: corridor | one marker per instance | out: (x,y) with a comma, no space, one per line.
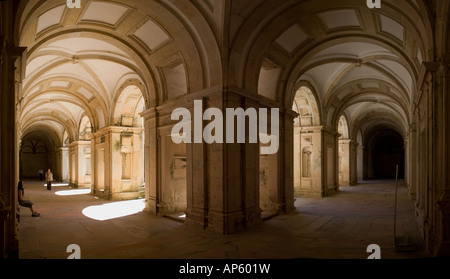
(337,227)
(107,95)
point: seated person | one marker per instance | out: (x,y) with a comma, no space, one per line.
(25,203)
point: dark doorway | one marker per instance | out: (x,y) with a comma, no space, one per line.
(35,153)
(388,152)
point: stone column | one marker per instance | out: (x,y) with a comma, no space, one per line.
(286,198)
(197,172)
(344,162)
(353,163)
(276,183)
(232,172)
(11,73)
(441,177)
(100,160)
(80,164)
(360,162)
(63,164)
(151,147)
(412,149)
(329,164)
(223,190)
(117,163)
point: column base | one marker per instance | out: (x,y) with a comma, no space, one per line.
(197,217)
(151,206)
(80,186)
(123,196)
(330,191)
(229,223)
(310,193)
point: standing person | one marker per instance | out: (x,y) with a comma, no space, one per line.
(23,202)
(49,179)
(41,174)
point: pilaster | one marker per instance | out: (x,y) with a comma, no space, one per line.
(11,74)
(353,163)
(80,164)
(330,184)
(344,162)
(63,163)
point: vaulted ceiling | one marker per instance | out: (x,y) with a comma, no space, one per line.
(359,62)
(81,60)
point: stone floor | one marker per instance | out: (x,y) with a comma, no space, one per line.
(338,227)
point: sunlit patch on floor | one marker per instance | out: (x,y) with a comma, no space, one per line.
(114,210)
(57,184)
(74,192)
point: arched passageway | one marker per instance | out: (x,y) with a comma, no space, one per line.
(37,153)
(387,150)
(357,90)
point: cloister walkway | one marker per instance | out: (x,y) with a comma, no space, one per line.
(337,227)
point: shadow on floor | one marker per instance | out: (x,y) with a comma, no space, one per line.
(337,227)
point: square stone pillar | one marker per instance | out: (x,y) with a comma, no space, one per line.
(437,194)
(231,172)
(223,190)
(117,163)
(285,186)
(344,162)
(360,162)
(63,163)
(80,164)
(353,163)
(4,216)
(12,71)
(151,147)
(330,164)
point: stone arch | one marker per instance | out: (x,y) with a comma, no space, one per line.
(85,128)
(65,138)
(307,142)
(37,151)
(307,106)
(343,127)
(385,150)
(128,104)
(269,30)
